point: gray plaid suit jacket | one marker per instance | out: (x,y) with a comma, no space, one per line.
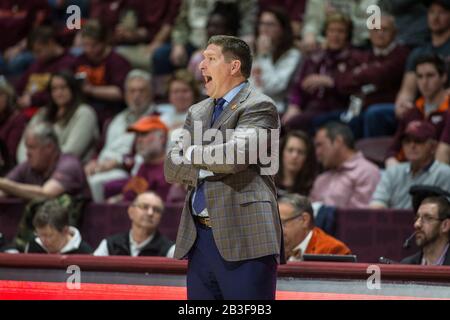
(241,202)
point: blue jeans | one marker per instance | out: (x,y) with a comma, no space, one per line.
(379,120)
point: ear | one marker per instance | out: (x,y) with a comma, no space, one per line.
(306,219)
(130,212)
(235,67)
(445,226)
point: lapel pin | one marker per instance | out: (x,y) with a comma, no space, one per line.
(234,106)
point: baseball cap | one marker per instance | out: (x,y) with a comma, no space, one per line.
(147,124)
(420,130)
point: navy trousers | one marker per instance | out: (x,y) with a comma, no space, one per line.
(210,277)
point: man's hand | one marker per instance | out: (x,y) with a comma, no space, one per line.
(316,81)
(292,111)
(89,168)
(402,106)
(391,161)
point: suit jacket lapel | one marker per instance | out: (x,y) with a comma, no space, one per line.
(207,114)
(231,108)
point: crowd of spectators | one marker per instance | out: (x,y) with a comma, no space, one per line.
(89,113)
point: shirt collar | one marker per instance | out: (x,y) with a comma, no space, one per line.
(134,246)
(232,93)
(302,246)
(384,52)
(426,168)
(73,244)
(352,162)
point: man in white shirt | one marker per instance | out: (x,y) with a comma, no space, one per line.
(144,238)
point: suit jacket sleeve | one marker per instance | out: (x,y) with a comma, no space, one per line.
(176,169)
(257,117)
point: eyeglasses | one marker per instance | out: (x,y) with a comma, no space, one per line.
(426,219)
(285,221)
(146,207)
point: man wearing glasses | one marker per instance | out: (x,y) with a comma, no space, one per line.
(144,238)
(300,234)
(432,232)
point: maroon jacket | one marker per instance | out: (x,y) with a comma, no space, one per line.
(384,72)
(324,62)
(18,17)
(150,14)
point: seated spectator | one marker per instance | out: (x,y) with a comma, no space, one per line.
(294,8)
(419,146)
(438,18)
(276,58)
(74,122)
(50,57)
(48,173)
(18,19)
(374,82)
(189,34)
(151,140)
(410,18)
(298,165)
(111,163)
(143,239)
(432,106)
(183,93)
(103,71)
(349,180)
(300,234)
(224,19)
(316,12)
(53,232)
(12,125)
(432,232)
(314,91)
(138,27)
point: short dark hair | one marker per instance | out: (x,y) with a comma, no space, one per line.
(434,59)
(335,129)
(94,29)
(235,48)
(300,203)
(442,203)
(51,213)
(42,34)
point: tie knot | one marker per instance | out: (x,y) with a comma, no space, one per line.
(220,102)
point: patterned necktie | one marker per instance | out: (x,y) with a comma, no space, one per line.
(199,203)
(218,108)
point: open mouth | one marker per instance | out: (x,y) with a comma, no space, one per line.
(208,79)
